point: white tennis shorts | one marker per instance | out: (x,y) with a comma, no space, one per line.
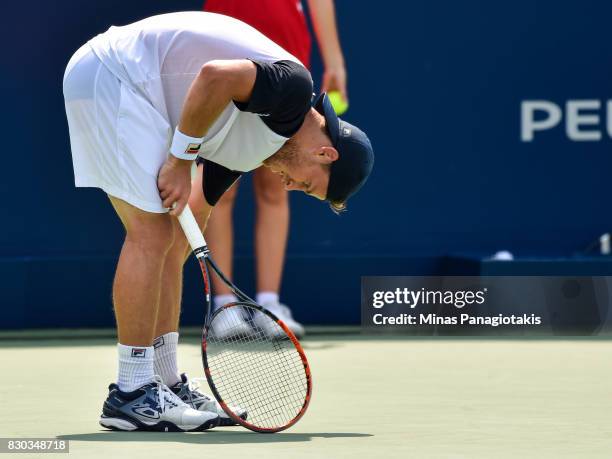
(119,141)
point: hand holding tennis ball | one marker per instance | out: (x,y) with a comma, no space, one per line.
(340,105)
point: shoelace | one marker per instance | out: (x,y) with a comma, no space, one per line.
(166,395)
(194,385)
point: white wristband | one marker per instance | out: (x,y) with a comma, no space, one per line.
(185,147)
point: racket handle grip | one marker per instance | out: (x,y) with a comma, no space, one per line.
(191,229)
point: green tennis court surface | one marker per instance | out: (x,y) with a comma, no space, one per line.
(374,397)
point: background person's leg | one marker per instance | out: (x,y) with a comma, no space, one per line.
(271,229)
(220,238)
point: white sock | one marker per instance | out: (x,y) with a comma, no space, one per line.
(267,298)
(165,358)
(135,366)
(222,300)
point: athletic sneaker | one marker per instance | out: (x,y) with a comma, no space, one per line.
(233,325)
(153,407)
(189,393)
(283,313)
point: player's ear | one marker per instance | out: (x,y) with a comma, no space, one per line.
(327,155)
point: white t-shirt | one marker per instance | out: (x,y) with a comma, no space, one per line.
(159,57)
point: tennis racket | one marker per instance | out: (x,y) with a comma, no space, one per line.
(260,367)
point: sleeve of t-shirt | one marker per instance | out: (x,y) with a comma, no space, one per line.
(281,96)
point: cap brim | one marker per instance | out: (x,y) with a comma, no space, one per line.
(332,122)
(356,158)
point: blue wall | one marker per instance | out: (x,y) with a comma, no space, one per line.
(438,87)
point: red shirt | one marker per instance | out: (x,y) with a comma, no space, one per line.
(282,21)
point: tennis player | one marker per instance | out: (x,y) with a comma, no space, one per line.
(143,102)
(285,23)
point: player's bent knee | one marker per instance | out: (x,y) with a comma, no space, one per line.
(156,235)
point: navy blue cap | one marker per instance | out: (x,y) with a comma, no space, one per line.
(355,155)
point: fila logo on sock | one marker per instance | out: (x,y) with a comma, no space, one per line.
(158,342)
(138,352)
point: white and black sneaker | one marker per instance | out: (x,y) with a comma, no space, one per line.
(153,407)
(188,392)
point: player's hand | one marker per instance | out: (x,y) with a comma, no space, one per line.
(174,184)
(334,79)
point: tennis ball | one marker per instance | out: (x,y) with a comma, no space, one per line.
(339,104)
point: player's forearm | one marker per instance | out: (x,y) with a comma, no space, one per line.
(217,84)
(323,16)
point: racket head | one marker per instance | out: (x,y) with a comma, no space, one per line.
(265,371)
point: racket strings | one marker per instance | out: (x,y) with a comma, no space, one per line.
(264,411)
(259,370)
(260,375)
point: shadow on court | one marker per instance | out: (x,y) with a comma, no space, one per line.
(327,338)
(215,437)
(310,343)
